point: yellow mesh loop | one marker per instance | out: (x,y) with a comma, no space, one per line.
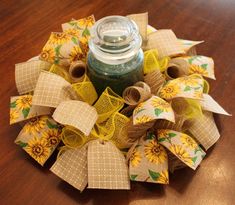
(193,110)
(60,71)
(72,137)
(206,87)
(86,91)
(108,103)
(152,62)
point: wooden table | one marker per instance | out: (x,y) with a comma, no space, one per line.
(24,28)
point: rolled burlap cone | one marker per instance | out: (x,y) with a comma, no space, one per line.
(155,80)
(143,85)
(133,95)
(177,67)
(77,71)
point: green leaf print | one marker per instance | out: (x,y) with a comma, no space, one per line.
(171,135)
(194,159)
(187,88)
(158,111)
(154,175)
(75,41)
(204,66)
(26,112)
(51,125)
(57,50)
(161,139)
(133,177)
(150,136)
(22,144)
(13,104)
(86,32)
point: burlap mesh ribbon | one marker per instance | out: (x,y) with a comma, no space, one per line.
(204,130)
(27,73)
(107,168)
(165,42)
(51,90)
(71,166)
(77,114)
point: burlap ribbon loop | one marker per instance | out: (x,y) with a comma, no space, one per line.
(133,95)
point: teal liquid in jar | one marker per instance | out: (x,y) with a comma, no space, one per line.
(115,58)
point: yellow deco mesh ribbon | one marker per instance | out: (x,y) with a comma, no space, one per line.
(152,61)
(86,90)
(107,104)
(61,72)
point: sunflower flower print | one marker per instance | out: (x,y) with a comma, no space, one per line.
(143,119)
(188,141)
(135,158)
(198,70)
(59,38)
(154,152)
(181,153)
(169,91)
(52,137)
(24,102)
(35,125)
(38,150)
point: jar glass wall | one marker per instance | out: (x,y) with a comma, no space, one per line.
(115,58)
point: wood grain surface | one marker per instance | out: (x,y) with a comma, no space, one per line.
(24,28)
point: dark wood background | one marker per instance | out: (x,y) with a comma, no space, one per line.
(24,28)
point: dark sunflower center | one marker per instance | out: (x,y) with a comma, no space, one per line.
(156,150)
(38,150)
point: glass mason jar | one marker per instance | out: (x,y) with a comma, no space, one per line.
(115,57)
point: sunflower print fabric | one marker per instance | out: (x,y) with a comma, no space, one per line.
(21,109)
(152,109)
(187,87)
(148,161)
(62,49)
(201,65)
(182,146)
(39,138)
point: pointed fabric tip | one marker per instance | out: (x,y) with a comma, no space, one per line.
(107,168)
(71,166)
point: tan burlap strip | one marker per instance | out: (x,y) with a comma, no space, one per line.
(27,73)
(107,168)
(142,22)
(77,114)
(165,42)
(51,90)
(71,166)
(155,80)
(204,130)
